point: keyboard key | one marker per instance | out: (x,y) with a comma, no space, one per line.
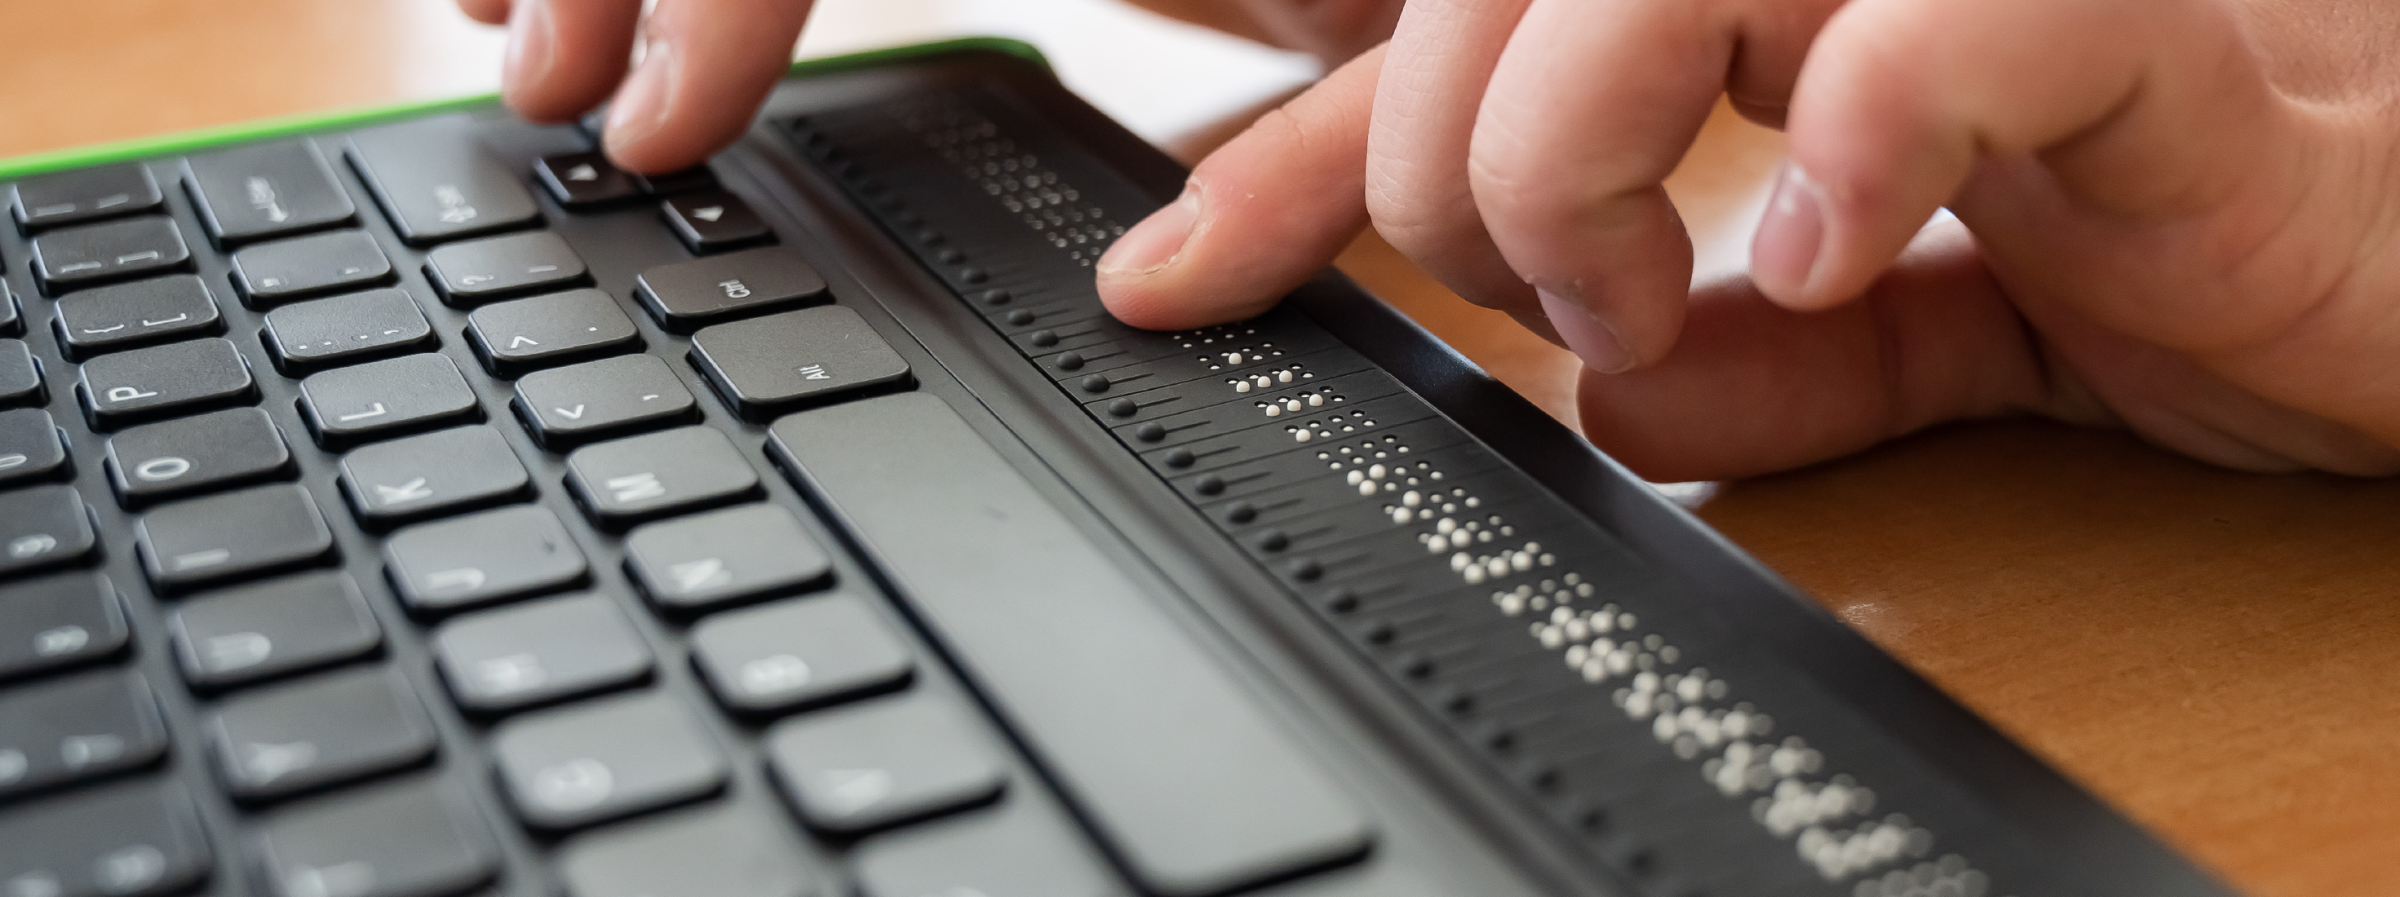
(436,181)
(235,535)
(482,558)
(98,253)
(346,406)
(325,730)
(657,474)
(681,180)
(782,361)
(20,375)
(518,336)
(258,631)
(266,190)
(443,472)
(947,516)
(482,270)
(584,180)
(164,381)
(31,447)
(206,452)
(714,220)
(135,314)
(412,838)
(79,728)
(57,622)
(12,318)
(716,851)
(138,839)
(529,654)
(796,653)
(43,526)
(685,295)
(566,407)
(1022,851)
(577,766)
(338,330)
(878,764)
(84,194)
(270,274)
(705,560)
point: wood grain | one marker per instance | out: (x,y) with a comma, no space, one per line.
(2216,653)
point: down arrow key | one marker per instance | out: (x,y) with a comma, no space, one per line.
(566,407)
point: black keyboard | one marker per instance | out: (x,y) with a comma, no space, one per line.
(427,507)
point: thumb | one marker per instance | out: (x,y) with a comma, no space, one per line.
(1259,217)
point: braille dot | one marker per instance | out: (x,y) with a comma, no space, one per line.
(1273,540)
(1068,361)
(1380,633)
(973,275)
(1307,570)
(1149,432)
(1210,485)
(1241,512)
(1417,667)
(1342,602)
(1020,317)
(994,297)
(1181,458)
(1042,338)
(950,256)
(1123,408)
(1094,384)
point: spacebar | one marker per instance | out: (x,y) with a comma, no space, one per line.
(1190,783)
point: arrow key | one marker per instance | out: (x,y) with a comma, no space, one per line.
(438,473)
(714,220)
(515,337)
(566,407)
(318,732)
(583,180)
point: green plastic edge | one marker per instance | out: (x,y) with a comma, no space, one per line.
(341,119)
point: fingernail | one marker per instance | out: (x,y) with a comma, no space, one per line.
(1154,243)
(1784,255)
(640,107)
(1589,335)
(530,42)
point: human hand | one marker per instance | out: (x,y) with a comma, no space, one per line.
(2183,216)
(706,65)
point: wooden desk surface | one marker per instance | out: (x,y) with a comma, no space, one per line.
(2215,653)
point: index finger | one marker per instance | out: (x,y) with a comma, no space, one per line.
(1589,109)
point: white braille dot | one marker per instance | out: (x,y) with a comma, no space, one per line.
(1274,410)
(1283,376)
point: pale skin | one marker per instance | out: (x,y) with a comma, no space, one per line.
(2177,217)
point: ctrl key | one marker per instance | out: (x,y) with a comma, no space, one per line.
(131,840)
(413,838)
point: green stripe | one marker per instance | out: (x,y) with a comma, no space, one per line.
(187,141)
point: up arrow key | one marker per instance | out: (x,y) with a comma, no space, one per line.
(521,341)
(583,172)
